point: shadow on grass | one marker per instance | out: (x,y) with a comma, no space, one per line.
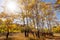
(33,39)
(9,39)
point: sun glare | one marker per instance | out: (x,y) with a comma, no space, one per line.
(11,6)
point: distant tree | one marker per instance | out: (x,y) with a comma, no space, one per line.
(8,22)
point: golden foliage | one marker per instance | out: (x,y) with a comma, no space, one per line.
(58,2)
(56,29)
(30,4)
(8,21)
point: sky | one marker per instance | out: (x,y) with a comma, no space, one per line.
(52,1)
(1,5)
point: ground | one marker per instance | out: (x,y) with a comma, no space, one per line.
(20,36)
